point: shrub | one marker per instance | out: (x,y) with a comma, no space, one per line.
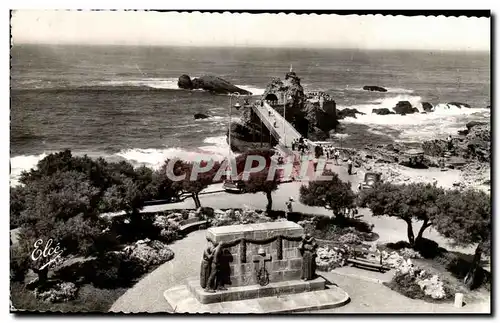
(19,264)
(185,214)
(169,234)
(415,282)
(432,287)
(330,258)
(152,254)
(406,285)
(60,292)
(409,253)
(106,271)
(428,248)
(350,239)
(398,245)
(206,212)
(105,242)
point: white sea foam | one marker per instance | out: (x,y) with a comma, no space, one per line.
(154,158)
(157,83)
(169,83)
(389,90)
(251,88)
(22,163)
(444,120)
(398,90)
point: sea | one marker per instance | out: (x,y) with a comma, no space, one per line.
(122,102)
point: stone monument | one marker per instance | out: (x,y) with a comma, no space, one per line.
(249,266)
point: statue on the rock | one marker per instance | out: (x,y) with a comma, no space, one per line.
(307,249)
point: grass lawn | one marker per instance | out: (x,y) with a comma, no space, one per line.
(89,299)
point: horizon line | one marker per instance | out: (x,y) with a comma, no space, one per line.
(248,46)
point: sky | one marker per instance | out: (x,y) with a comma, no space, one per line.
(243,29)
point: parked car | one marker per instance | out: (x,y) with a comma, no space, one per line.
(370,180)
(237,186)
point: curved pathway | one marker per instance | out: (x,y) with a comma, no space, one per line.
(147,294)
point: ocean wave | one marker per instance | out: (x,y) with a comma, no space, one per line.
(251,88)
(398,90)
(445,119)
(389,90)
(155,158)
(169,83)
(18,164)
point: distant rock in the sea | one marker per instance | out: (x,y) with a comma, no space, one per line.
(459,104)
(184,82)
(427,107)
(348,112)
(382,111)
(209,83)
(201,116)
(374,88)
(404,107)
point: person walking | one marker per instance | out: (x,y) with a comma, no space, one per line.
(337,155)
(288,207)
(450,142)
(349,166)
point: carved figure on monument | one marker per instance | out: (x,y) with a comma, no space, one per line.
(206,263)
(224,269)
(307,249)
(214,268)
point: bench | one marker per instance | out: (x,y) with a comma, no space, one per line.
(367,263)
(362,262)
(187,228)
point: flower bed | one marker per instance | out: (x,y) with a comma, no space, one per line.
(60,292)
(413,281)
(330,258)
(233,217)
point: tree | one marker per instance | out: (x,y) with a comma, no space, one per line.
(333,194)
(59,208)
(259,182)
(465,217)
(408,202)
(186,185)
(17,205)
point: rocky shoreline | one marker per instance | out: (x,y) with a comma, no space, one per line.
(461,163)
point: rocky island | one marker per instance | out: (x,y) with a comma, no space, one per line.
(312,114)
(374,88)
(209,83)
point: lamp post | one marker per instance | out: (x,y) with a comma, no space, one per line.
(237,106)
(284,114)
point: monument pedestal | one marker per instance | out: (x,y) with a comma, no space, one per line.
(256,268)
(255,291)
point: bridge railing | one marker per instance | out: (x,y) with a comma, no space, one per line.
(288,127)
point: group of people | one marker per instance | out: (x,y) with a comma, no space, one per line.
(300,145)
